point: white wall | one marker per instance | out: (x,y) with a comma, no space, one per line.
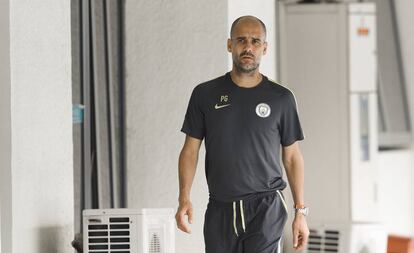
(397,167)
(265,11)
(40,185)
(396,191)
(170,47)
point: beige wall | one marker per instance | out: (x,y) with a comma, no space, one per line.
(5,130)
(170,47)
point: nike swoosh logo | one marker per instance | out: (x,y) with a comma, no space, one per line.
(220,106)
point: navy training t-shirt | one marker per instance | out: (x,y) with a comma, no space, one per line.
(243,130)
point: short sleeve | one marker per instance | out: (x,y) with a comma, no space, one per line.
(290,127)
(194,118)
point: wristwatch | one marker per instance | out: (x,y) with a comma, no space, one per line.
(301,209)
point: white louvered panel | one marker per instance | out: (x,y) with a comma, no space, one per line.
(109,234)
(155,243)
(323,241)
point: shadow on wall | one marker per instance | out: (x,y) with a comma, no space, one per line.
(54,239)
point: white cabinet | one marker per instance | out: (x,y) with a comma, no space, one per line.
(328,59)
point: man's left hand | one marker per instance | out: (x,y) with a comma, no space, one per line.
(300,232)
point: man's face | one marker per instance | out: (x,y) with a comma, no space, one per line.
(247,45)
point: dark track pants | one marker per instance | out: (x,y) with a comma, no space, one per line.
(253,225)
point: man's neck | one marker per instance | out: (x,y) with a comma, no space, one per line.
(246,80)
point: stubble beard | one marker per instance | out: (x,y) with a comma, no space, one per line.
(245,68)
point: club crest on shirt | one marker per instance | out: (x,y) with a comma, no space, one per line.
(263,110)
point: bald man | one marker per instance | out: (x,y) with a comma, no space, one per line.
(246,120)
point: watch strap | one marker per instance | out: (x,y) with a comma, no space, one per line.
(296,206)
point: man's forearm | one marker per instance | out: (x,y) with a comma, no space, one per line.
(295,174)
(186,170)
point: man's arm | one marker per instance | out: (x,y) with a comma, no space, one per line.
(294,166)
(187,165)
(293,161)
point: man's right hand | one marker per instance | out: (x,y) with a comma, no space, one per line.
(185,208)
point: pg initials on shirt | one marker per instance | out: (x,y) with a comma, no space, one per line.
(224,98)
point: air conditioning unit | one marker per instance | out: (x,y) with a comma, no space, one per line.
(146,230)
(347,238)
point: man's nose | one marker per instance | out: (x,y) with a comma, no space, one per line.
(248,46)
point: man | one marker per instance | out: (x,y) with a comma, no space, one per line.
(244,118)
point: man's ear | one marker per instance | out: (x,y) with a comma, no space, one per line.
(265,48)
(229,49)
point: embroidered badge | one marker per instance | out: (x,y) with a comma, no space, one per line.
(263,110)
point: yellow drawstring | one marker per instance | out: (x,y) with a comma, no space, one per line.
(242,215)
(234,218)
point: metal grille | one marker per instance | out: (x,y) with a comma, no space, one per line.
(323,241)
(155,245)
(111,237)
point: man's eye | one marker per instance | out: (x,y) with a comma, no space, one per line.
(257,42)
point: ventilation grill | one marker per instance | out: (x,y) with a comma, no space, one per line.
(108,238)
(155,245)
(323,241)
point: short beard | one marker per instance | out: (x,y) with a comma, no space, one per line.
(243,69)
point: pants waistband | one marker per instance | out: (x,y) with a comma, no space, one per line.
(247,199)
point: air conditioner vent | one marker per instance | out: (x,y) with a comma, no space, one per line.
(108,238)
(323,241)
(154,242)
(119,219)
